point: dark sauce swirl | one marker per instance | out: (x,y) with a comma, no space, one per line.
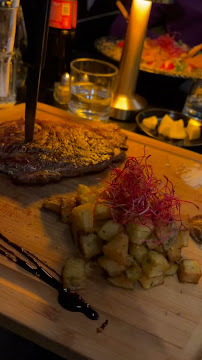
(72,301)
(69,300)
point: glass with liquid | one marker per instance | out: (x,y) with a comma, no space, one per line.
(91,88)
(193,103)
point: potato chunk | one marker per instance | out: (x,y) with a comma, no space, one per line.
(170,232)
(157,247)
(138,233)
(172,270)
(82,190)
(138,251)
(148,283)
(109,230)
(53,204)
(117,249)
(183,238)
(122,281)
(67,205)
(134,272)
(97,225)
(174,253)
(154,264)
(74,274)
(90,245)
(189,271)
(82,216)
(110,266)
(90,197)
(102,211)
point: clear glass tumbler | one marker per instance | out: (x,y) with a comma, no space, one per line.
(8,18)
(7,79)
(193,103)
(91,88)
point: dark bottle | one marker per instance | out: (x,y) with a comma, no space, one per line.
(62,26)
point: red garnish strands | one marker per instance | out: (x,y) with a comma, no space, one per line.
(167,43)
(135,195)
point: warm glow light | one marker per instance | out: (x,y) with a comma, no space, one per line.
(124,100)
(141,6)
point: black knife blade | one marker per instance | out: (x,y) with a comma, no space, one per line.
(37,13)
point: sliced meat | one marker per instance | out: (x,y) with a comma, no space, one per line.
(59,149)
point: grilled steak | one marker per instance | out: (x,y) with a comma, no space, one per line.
(60,149)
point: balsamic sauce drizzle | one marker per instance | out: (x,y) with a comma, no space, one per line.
(69,300)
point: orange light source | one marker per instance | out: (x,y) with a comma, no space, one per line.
(125,102)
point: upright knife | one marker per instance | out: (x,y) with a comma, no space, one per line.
(36,14)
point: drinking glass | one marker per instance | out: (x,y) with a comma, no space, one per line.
(8,18)
(193,103)
(7,79)
(91,88)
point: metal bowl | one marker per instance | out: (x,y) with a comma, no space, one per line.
(159,113)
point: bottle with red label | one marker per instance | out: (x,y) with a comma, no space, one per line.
(62,26)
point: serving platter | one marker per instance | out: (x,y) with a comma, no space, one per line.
(175,115)
(113,47)
(161,323)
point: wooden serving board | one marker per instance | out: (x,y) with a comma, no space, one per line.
(162,323)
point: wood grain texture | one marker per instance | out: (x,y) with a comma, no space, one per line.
(163,323)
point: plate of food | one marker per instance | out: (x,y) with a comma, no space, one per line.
(133,230)
(170,126)
(162,55)
(103,240)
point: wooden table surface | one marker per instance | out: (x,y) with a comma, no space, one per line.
(162,323)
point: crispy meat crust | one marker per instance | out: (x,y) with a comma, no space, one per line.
(60,149)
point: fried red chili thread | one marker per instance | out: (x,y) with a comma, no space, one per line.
(135,195)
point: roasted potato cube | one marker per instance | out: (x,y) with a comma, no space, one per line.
(174,253)
(82,215)
(183,238)
(117,249)
(134,272)
(138,251)
(172,270)
(97,225)
(129,261)
(109,230)
(102,211)
(90,245)
(85,195)
(148,283)
(82,190)
(157,247)
(162,231)
(154,264)
(189,271)
(74,274)
(90,197)
(138,233)
(53,204)
(67,205)
(110,266)
(122,281)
